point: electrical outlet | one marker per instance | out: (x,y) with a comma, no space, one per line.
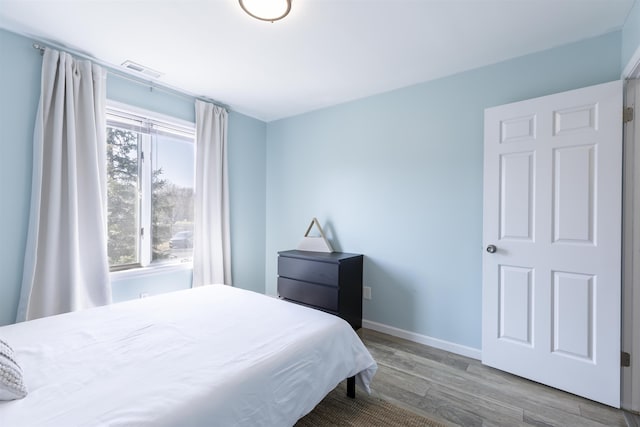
(366,292)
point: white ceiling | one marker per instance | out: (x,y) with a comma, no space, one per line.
(324,53)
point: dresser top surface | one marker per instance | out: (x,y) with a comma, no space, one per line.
(319,256)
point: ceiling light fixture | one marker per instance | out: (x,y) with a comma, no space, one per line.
(266,10)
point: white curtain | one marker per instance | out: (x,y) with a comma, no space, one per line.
(66,266)
(211,242)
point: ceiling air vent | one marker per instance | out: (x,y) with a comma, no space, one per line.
(130,65)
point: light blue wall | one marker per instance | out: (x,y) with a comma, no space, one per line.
(150,284)
(631,34)
(19,93)
(398,177)
(247,192)
(129,92)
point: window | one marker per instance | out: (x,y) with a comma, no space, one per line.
(150,177)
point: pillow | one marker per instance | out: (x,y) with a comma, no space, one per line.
(11,382)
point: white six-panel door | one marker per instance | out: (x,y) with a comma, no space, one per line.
(551,231)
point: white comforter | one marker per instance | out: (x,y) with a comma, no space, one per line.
(211,356)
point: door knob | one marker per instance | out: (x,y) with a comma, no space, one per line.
(492,249)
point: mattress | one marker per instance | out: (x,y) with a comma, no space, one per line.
(214,355)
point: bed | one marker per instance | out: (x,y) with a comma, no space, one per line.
(214,355)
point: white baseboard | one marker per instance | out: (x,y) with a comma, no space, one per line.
(462,350)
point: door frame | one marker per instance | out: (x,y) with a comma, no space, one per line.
(630,376)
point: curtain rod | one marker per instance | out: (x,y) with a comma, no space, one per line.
(139,80)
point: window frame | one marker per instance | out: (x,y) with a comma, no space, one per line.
(170,126)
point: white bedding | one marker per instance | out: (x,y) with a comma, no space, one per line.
(211,356)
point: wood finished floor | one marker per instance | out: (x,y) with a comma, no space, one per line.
(462,391)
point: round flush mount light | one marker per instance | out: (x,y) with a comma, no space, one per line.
(266,10)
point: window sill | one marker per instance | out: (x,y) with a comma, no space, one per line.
(151,270)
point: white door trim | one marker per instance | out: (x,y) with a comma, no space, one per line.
(631,253)
(632,69)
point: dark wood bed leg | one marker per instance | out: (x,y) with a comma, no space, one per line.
(351,387)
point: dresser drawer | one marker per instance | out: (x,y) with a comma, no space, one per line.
(308,293)
(309,271)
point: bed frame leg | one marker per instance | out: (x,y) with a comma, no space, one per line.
(351,387)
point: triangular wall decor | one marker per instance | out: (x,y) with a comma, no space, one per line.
(315,243)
